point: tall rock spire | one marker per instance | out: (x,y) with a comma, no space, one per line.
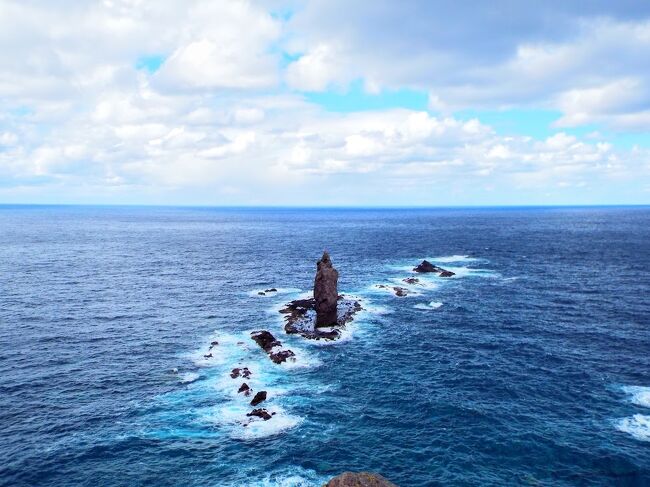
(325,291)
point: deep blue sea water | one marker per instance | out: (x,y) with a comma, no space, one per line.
(530,367)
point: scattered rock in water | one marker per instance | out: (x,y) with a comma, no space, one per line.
(245,389)
(325,292)
(426,266)
(265,340)
(208,355)
(259,397)
(359,479)
(260,413)
(411,280)
(245,373)
(261,293)
(271,290)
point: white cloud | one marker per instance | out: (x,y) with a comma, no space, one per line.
(215,125)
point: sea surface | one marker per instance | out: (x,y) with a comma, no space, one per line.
(531,366)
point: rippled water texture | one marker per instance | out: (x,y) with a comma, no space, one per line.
(530,366)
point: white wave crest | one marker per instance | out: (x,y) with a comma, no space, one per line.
(233,418)
(189,377)
(637,426)
(638,395)
(428,306)
(454,258)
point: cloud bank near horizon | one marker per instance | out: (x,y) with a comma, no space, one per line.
(229,102)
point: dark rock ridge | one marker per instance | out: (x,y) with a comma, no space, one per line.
(426,266)
(259,397)
(260,413)
(326,292)
(268,342)
(360,479)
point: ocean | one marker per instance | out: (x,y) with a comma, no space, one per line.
(530,366)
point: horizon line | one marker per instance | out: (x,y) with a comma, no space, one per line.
(323,207)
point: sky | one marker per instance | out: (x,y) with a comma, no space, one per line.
(325,102)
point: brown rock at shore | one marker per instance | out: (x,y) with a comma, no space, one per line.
(359,479)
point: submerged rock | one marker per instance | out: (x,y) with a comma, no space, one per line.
(260,413)
(259,397)
(271,290)
(360,479)
(426,266)
(400,291)
(325,292)
(411,280)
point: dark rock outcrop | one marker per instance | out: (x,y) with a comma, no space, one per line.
(360,479)
(426,266)
(325,292)
(411,280)
(245,389)
(271,290)
(260,413)
(259,397)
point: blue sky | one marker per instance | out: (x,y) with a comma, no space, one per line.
(325,102)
